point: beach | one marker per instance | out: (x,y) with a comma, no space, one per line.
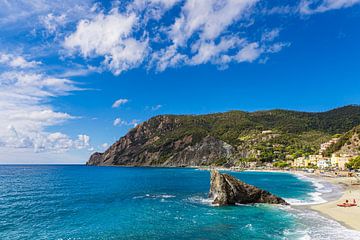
(348,216)
(343,188)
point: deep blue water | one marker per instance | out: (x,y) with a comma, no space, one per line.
(79,202)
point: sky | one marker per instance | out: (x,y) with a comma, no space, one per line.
(75,76)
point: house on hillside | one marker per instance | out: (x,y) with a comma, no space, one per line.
(339,160)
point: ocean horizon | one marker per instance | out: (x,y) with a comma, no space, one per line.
(82,202)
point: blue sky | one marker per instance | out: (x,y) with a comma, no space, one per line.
(77,75)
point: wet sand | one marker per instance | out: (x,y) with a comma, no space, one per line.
(348,216)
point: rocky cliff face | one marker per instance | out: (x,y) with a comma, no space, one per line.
(145,146)
(227,190)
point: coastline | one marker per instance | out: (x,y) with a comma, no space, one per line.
(347,216)
(345,190)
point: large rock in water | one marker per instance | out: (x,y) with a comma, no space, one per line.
(227,190)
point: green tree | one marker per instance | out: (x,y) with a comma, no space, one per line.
(354,163)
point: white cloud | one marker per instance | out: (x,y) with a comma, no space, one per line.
(202,28)
(168,57)
(316,6)
(82,142)
(17,61)
(28,14)
(154,9)
(126,37)
(52,22)
(120,122)
(120,102)
(270,35)
(156,107)
(105,145)
(25,113)
(207,18)
(249,53)
(210,51)
(109,36)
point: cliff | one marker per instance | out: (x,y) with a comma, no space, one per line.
(226,139)
(227,190)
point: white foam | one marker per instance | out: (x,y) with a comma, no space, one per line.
(202,200)
(314,197)
(155,196)
(312,225)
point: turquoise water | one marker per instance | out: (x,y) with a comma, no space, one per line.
(79,202)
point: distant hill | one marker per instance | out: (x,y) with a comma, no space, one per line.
(227,138)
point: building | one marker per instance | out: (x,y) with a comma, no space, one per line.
(324,163)
(339,161)
(299,162)
(313,159)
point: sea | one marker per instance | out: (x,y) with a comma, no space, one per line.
(75,202)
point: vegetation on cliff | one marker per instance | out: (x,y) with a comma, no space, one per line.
(228,138)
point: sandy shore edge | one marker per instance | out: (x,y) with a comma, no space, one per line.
(347,216)
(346,189)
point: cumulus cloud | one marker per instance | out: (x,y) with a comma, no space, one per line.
(120,102)
(198,33)
(110,36)
(17,61)
(82,141)
(207,18)
(25,113)
(319,6)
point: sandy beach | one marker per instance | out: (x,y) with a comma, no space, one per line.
(348,216)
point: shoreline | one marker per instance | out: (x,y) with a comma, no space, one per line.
(345,190)
(347,216)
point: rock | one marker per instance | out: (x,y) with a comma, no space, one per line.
(227,190)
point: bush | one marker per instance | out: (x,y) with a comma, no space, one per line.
(281,164)
(354,163)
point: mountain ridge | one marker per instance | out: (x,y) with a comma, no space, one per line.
(227,139)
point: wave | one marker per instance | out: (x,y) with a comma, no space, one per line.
(155,196)
(319,228)
(316,197)
(201,200)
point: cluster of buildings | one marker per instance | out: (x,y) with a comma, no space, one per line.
(336,161)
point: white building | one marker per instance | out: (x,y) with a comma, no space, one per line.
(324,163)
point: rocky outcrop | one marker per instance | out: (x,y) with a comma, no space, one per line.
(227,190)
(148,145)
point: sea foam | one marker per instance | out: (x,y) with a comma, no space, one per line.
(316,197)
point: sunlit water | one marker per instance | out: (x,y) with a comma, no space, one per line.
(79,202)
